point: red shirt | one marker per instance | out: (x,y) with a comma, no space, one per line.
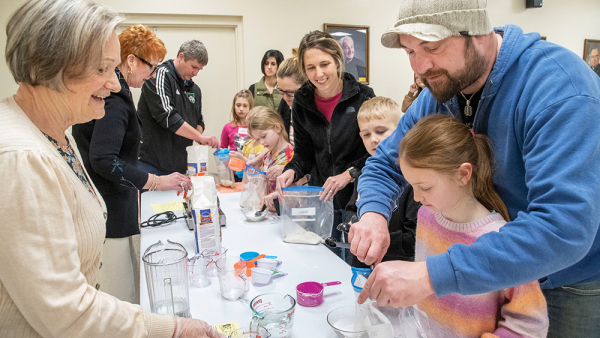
(326,106)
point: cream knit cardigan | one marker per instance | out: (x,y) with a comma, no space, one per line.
(51,235)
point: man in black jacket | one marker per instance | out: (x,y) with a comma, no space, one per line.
(170,108)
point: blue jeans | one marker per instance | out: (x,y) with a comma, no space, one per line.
(574,310)
(149,168)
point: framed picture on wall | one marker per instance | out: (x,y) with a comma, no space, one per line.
(355,45)
(591,49)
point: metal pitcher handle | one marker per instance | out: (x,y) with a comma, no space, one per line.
(169,297)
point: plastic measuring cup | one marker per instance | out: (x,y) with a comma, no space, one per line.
(222,154)
(267,263)
(275,312)
(248,255)
(263,276)
(249,264)
(311,293)
(236,164)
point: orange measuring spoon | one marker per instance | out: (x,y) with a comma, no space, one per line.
(249,264)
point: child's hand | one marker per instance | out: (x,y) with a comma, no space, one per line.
(268,201)
(255,162)
(275,171)
(235,154)
(413,88)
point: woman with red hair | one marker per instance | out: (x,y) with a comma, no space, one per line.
(110,148)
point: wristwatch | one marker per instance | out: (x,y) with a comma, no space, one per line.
(354,173)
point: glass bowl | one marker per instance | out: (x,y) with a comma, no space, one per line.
(342,321)
(254,215)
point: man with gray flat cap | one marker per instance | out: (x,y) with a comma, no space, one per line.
(542,119)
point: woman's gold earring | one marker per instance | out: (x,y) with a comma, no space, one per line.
(130,71)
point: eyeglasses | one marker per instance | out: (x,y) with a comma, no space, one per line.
(154,68)
(289,93)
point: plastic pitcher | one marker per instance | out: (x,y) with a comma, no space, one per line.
(275,312)
(167,279)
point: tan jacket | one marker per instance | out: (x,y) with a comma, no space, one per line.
(52,231)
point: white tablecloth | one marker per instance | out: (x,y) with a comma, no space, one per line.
(301,262)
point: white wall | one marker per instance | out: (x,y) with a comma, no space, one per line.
(281,25)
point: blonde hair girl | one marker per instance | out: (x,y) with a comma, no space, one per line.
(266,126)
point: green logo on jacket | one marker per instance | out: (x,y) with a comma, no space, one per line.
(192,97)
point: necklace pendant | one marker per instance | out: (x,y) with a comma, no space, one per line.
(468,111)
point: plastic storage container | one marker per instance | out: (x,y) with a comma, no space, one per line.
(305,219)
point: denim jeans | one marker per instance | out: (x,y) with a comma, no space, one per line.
(151,170)
(574,310)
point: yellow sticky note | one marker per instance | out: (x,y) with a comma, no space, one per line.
(226,328)
(169,206)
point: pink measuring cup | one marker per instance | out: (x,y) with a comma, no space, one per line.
(311,293)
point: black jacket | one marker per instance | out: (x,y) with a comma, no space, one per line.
(286,114)
(165,104)
(331,148)
(110,148)
(402,226)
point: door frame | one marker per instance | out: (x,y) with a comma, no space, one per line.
(196,21)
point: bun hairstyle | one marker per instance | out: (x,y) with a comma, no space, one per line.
(324,42)
(141,41)
(244,94)
(290,67)
(443,143)
(265,118)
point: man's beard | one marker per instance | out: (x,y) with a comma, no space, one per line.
(475,66)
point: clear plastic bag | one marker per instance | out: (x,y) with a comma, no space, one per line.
(224,174)
(254,188)
(387,321)
(305,219)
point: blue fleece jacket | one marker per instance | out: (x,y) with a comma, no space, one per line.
(541,103)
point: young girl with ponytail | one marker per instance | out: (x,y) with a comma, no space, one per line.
(450,169)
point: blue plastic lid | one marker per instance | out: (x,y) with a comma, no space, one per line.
(257,170)
(303,188)
(359,271)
